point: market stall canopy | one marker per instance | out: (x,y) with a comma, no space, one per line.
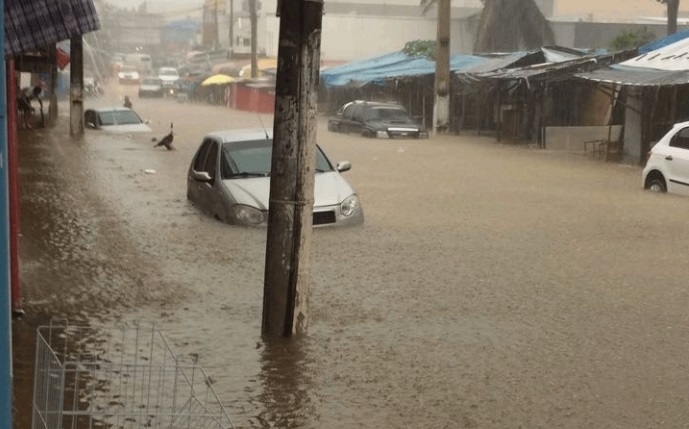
(33,25)
(393,65)
(218,79)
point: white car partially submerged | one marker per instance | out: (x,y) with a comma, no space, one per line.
(667,167)
(116,120)
(229,179)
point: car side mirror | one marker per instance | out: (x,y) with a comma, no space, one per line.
(202,176)
(344,166)
(147,121)
(91,125)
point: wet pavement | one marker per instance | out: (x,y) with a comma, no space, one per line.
(492,286)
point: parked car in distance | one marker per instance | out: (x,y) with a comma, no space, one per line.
(229,179)
(374,119)
(128,75)
(116,120)
(667,167)
(151,87)
(169,76)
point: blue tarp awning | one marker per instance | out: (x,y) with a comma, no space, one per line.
(394,65)
(661,43)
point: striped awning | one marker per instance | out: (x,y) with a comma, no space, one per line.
(37,24)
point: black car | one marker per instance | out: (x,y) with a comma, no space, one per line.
(374,119)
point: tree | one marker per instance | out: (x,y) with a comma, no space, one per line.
(672,11)
(632,39)
(510,25)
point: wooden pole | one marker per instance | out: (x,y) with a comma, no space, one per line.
(441,107)
(76,92)
(52,95)
(286,280)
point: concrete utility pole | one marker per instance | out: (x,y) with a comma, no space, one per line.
(231,29)
(287,273)
(253,17)
(441,106)
(76,87)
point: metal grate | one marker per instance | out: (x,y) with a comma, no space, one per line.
(124,378)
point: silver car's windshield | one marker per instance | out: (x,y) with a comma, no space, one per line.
(119,117)
(253,158)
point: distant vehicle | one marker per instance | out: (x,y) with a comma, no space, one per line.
(116,62)
(142,62)
(128,75)
(151,87)
(373,119)
(667,167)
(115,119)
(229,179)
(169,76)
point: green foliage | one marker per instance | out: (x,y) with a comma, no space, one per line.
(426,48)
(631,39)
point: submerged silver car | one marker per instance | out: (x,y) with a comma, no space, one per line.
(229,178)
(115,120)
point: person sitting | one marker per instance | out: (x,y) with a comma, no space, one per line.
(127,102)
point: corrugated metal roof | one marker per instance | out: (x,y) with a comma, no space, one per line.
(495,62)
(535,70)
(394,65)
(36,24)
(637,76)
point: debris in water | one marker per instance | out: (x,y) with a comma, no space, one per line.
(149,171)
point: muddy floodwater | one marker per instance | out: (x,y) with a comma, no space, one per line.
(491,286)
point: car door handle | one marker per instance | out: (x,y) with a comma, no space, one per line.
(669,157)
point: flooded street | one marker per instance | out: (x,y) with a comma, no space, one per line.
(491,286)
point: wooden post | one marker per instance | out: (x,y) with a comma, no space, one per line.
(52,96)
(286,280)
(441,107)
(76,90)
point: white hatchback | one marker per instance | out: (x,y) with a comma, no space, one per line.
(667,167)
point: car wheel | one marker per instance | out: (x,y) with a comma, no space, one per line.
(657,184)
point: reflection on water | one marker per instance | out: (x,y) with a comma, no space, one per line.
(286,384)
